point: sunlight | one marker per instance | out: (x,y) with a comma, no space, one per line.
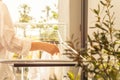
(36,7)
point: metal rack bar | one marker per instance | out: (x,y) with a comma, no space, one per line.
(39,63)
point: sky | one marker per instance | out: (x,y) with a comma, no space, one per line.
(36,7)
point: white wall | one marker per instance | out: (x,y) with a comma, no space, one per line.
(70,15)
(64,15)
(75,11)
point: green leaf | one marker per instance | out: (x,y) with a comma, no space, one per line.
(107,25)
(100,27)
(96,11)
(104,4)
(70,75)
(90,40)
(117,53)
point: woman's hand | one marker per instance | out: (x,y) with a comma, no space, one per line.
(51,48)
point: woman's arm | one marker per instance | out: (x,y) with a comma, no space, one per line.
(48,47)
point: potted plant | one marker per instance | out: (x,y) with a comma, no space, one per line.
(101,59)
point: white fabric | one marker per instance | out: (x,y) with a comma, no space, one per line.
(9,42)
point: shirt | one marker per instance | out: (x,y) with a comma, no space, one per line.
(9,42)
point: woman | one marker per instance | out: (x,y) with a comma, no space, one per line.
(9,42)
